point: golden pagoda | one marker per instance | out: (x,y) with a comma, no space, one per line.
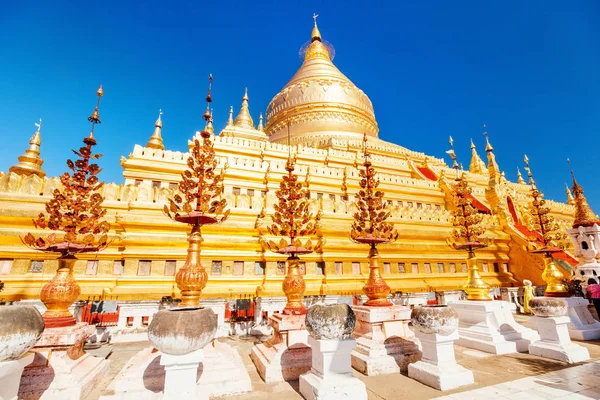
(327,115)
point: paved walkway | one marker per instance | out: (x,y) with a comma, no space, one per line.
(579,382)
(518,376)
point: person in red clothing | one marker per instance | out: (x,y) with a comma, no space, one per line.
(593,290)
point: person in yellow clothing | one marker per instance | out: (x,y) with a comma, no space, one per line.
(527,295)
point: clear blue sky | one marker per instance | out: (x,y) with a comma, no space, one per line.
(528,69)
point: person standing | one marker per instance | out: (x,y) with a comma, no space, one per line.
(593,290)
(527,295)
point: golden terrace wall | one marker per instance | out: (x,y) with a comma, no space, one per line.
(147,247)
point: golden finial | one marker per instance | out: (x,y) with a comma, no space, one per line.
(316,35)
(570,199)
(244,119)
(528,169)
(209,124)
(30,163)
(95,118)
(477,166)
(452,154)
(584,216)
(260,123)
(156,141)
(488,146)
(207,116)
(520,177)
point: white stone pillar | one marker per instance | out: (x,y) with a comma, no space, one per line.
(555,342)
(438,367)
(10,376)
(331,374)
(181,376)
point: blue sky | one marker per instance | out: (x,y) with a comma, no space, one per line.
(529,70)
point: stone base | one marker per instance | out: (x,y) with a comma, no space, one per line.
(10,376)
(583,326)
(287,354)
(61,369)
(180,376)
(438,368)
(490,326)
(313,387)
(385,344)
(441,378)
(331,373)
(555,342)
(222,373)
(56,376)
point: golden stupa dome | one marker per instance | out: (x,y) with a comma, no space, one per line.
(319,102)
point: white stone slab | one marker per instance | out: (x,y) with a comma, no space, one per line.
(385,344)
(438,367)
(331,377)
(555,342)
(491,327)
(10,376)
(582,324)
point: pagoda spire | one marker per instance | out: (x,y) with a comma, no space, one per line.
(30,163)
(230,120)
(477,165)
(452,154)
(244,119)
(570,199)
(260,123)
(493,168)
(520,177)
(316,34)
(584,216)
(156,141)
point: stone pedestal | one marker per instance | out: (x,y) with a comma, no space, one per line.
(10,376)
(555,342)
(438,367)
(287,354)
(330,377)
(221,373)
(385,344)
(583,326)
(490,326)
(180,376)
(61,369)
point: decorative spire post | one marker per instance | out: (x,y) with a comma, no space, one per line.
(198,205)
(477,165)
(293,220)
(30,163)
(467,236)
(544,225)
(75,214)
(370,227)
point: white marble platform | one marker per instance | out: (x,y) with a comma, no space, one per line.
(490,326)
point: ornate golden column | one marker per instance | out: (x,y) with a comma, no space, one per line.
(75,214)
(467,235)
(195,206)
(546,232)
(292,219)
(370,227)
